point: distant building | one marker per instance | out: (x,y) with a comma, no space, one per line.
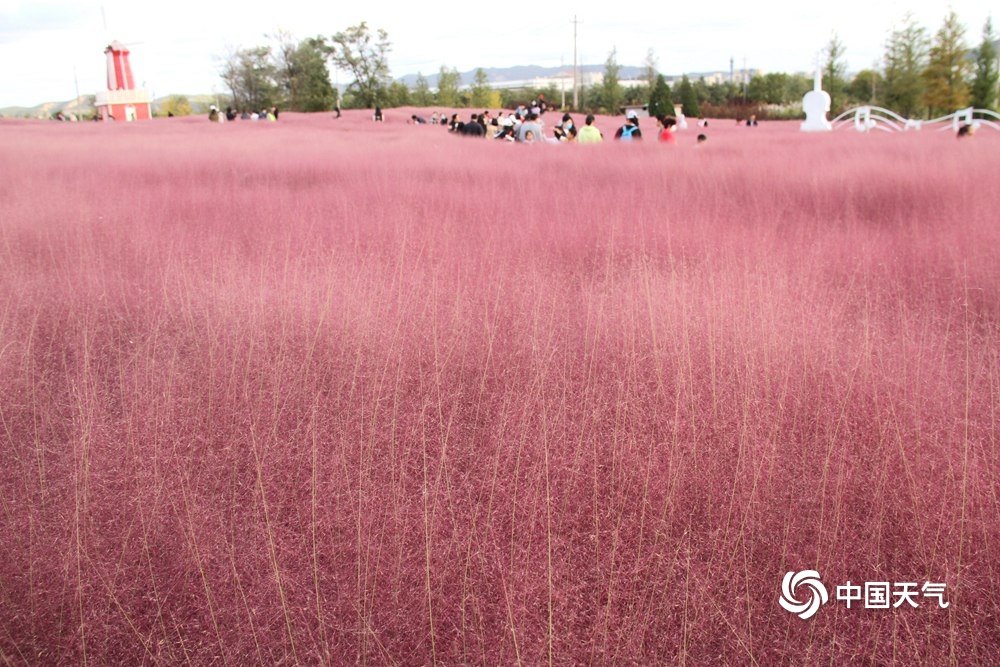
(122,100)
(716,78)
(560,81)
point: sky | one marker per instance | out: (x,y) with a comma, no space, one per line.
(52,48)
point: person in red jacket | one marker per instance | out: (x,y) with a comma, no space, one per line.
(667,125)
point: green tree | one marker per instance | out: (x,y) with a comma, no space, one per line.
(635,96)
(422,95)
(448,82)
(611,93)
(688,98)
(724,92)
(551,93)
(283,55)
(771,88)
(365,56)
(864,87)
(984,84)
(510,98)
(178,105)
(905,56)
(493,100)
(306,78)
(701,89)
(947,68)
(758,90)
(397,94)
(798,86)
(250,76)
(480,96)
(660,102)
(834,72)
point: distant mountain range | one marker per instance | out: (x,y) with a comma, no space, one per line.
(81,106)
(501,75)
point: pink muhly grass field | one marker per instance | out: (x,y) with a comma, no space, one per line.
(330,392)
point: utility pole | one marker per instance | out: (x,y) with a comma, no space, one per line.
(745,79)
(576,75)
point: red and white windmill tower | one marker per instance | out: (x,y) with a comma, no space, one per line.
(122,100)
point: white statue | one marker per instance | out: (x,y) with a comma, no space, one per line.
(816,103)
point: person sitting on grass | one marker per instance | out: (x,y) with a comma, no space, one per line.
(589,134)
(966,130)
(530,124)
(565,130)
(506,127)
(473,128)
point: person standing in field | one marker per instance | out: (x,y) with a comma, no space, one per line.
(588,133)
(630,130)
(667,126)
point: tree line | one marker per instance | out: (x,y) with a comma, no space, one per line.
(920,76)
(917,76)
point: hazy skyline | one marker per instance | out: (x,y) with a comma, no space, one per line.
(51,47)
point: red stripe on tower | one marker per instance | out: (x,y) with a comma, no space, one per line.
(119,69)
(112,76)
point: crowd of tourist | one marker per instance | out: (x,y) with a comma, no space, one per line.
(231,114)
(525,124)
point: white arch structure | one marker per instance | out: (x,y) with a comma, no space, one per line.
(867,118)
